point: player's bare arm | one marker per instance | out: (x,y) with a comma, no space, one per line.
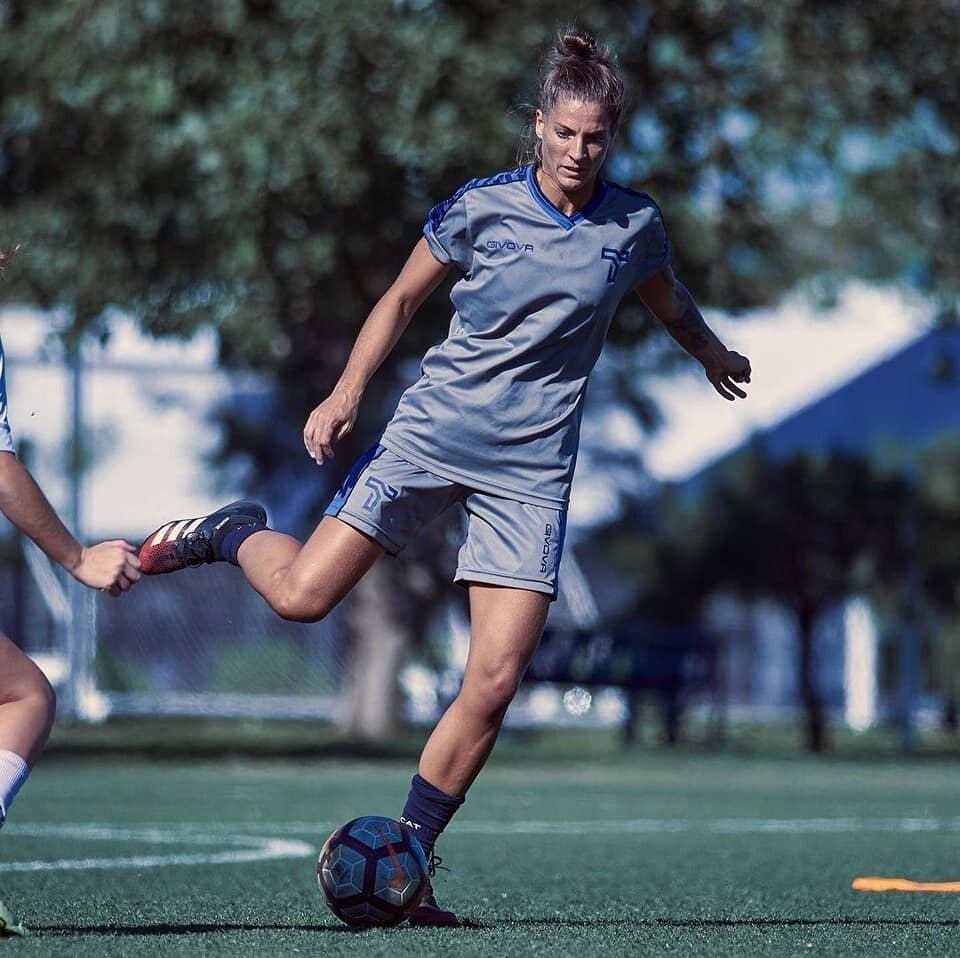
(335,416)
(670,301)
(112,566)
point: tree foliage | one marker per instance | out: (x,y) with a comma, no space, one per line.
(808,533)
(265,165)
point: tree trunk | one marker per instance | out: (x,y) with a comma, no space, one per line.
(371,695)
(809,694)
(950,714)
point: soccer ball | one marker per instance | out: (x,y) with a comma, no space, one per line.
(372,872)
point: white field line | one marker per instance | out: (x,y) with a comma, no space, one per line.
(244,848)
(232,833)
(249,848)
(720,826)
(643,826)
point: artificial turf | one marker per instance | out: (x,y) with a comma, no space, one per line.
(557,851)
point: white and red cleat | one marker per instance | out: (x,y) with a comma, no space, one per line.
(189,542)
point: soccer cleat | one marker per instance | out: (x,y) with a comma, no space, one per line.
(428,914)
(189,542)
(9,924)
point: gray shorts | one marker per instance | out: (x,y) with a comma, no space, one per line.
(508,542)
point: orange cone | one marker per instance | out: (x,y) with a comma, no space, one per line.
(903,884)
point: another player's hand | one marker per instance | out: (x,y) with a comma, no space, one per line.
(328,423)
(112,566)
(723,369)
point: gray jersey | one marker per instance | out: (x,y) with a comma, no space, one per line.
(499,401)
(6,438)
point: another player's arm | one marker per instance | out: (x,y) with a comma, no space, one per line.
(670,301)
(335,416)
(112,566)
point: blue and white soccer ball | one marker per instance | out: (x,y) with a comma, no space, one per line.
(372,872)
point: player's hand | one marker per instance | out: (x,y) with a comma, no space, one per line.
(112,566)
(724,369)
(329,423)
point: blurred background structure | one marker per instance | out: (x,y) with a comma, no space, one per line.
(212,196)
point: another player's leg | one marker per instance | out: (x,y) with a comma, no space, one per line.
(27,707)
(506,625)
(302,582)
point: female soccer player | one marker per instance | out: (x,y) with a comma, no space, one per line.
(544,254)
(27,701)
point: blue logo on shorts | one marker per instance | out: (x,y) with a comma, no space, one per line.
(545,555)
(378,490)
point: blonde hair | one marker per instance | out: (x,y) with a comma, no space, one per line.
(577,67)
(6,255)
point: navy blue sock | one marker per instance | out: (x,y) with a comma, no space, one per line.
(428,811)
(234,538)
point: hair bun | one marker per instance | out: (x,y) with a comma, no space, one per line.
(7,254)
(578,45)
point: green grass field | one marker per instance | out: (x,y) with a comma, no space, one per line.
(566,846)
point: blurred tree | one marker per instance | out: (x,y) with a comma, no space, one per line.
(264,167)
(806,532)
(938,478)
(800,139)
(914,586)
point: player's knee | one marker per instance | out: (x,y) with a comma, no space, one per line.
(297,605)
(25,683)
(47,701)
(38,693)
(493,689)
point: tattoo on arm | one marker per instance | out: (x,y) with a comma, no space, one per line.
(686,325)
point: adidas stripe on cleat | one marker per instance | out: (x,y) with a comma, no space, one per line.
(189,542)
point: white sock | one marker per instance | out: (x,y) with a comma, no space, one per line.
(13,773)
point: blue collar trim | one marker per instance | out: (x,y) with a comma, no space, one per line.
(567,222)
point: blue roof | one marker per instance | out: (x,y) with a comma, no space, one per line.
(910,399)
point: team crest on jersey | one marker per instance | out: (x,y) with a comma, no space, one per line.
(615,258)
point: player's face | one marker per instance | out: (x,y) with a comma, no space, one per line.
(575,138)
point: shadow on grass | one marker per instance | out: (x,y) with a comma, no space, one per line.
(170,929)
(205,929)
(721,922)
(490,924)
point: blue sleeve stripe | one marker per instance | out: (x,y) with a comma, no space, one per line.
(436,215)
